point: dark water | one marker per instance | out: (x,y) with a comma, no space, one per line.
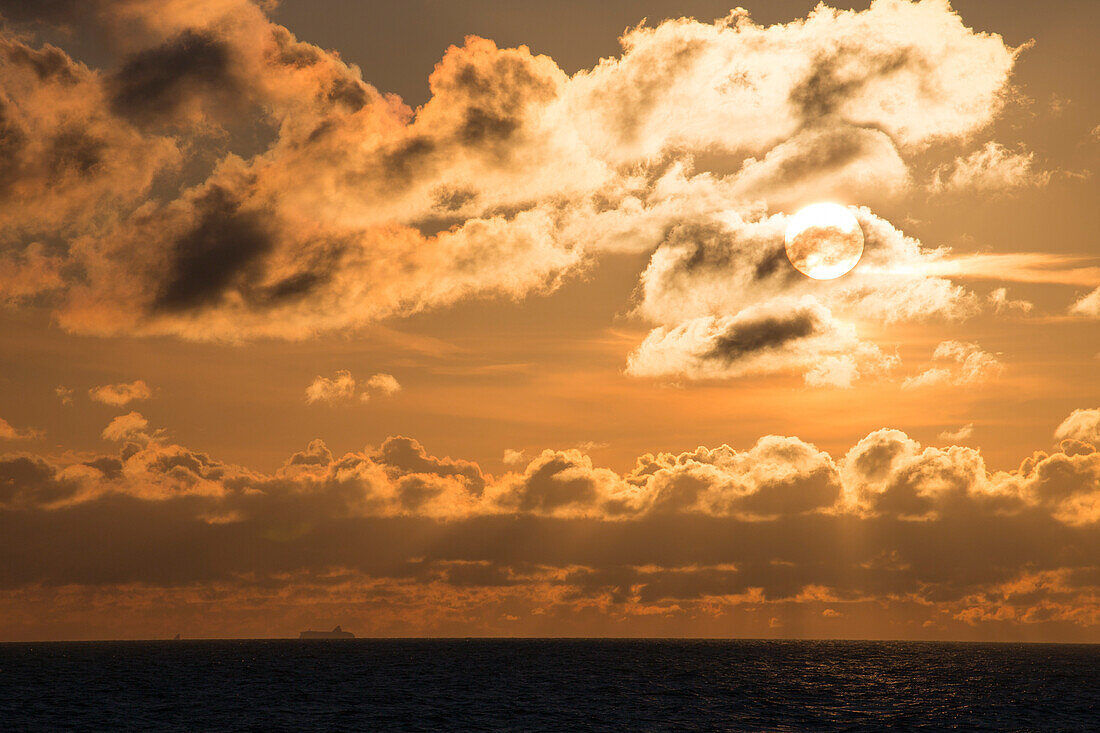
(526,685)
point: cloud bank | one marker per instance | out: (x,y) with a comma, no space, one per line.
(931,537)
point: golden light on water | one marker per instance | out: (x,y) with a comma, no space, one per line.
(824,241)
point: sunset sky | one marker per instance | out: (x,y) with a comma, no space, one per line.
(476,319)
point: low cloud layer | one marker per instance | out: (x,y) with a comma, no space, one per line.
(931,535)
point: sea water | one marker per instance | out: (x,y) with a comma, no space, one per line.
(535,685)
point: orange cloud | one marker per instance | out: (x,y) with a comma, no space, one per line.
(121,394)
(510,178)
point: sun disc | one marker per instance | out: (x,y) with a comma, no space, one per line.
(823,241)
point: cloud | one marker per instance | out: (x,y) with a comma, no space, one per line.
(130,426)
(962,433)
(892,533)
(511,178)
(1082,425)
(384,383)
(1025,267)
(998,298)
(514,457)
(1087,305)
(886,471)
(991,169)
(121,394)
(7,432)
(64,394)
(803,338)
(336,389)
(704,278)
(966,363)
(341,388)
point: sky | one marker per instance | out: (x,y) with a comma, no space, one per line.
(476,319)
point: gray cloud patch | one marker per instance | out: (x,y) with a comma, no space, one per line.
(773,332)
(211,258)
(152,84)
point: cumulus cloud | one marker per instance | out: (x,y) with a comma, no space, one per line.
(339,388)
(963,363)
(512,177)
(804,338)
(121,394)
(990,169)
(342,387)
(385,383)
(514,457)
(7,432)
(1087,305)
(1082,425)
(131,426)
(887,471)
(914,532)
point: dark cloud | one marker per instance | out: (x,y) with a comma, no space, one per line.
(153,84)
(351,93)
(553,482)
(49,63)
(400,456)
(820,154)
(748,337)
(836,77)
(110,467)
(29,480)
(224,243)
(13,140)
(74,150)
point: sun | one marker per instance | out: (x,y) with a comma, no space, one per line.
(824,241)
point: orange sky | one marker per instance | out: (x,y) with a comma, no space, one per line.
(459,320)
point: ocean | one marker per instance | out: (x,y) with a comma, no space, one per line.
(547,685)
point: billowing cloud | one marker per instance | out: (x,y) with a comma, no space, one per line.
(912,532)
(804,338)
(960,363)
(385,383)
(342,387)
(509,179)
(990,169)
(121,394)
(1087,305)
(1082,425)
(338,388)
(131,426)
(7,432)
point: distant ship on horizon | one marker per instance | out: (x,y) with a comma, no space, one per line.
(336,633)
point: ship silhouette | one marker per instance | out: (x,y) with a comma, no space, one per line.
(336,633)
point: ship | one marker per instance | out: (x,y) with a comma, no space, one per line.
(336,633)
